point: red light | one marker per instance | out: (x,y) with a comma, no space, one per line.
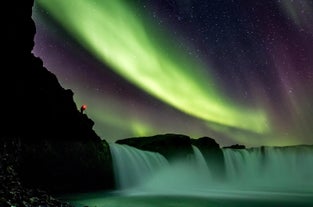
(84,107)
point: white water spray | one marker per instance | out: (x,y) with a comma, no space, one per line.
(273,168)
(133,167)
(267,170)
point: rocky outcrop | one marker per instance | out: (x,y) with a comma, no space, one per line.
(62,166)
(235,146)
(212,153)
(171,146)
(13,192)
(35,105)
(59,150)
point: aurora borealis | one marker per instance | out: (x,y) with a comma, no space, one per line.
(237,71)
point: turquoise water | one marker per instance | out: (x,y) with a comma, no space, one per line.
(271,177)
(102,199)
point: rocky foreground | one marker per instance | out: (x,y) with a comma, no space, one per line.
(12,191)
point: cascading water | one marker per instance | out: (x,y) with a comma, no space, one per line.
(257,177)
(201,163)
(182,176)
(149,171)
(133,166)
(265,169)
(270,168)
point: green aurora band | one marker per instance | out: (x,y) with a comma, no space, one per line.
(114,32)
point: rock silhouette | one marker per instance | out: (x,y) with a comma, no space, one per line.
(58,149)
(171,146)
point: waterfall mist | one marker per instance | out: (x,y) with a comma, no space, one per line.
(252,172)
(270,168)
(133,166)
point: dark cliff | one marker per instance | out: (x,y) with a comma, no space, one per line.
(58,148)
(171,146)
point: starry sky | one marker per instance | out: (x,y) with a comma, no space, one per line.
(238,71)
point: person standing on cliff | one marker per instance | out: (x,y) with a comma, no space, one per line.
(83,108)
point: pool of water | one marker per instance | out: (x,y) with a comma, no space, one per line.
(105,199)
(254,178)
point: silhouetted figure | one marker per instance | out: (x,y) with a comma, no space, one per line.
(83,108)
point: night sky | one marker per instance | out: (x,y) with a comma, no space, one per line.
(239,71)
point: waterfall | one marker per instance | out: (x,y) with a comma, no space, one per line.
(266,169)
(201,164)
(133,166)
(270,168)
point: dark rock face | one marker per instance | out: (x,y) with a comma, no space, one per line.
(171,146)
(212,153)
(35,105)
(235,146)
(66,166)
(205,143)
(18,27)
(41,108)
(60,152)
(12,190)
